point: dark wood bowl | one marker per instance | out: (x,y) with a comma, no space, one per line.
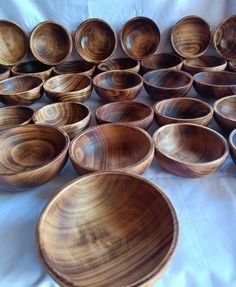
(21,90)
(95,40)
(112,147)
(14,43)
(50,43)
(165,84)
(125,64)
(118,85)
(191,36)
(69,88)
(31,155)
(232,65)
(79,67)
(4,72)
(111,229)
(232,145)
(189,150)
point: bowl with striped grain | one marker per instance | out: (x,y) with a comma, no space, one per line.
(75,67)
(125,64)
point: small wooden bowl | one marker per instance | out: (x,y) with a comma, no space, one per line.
(232,145)
(165,84)
(70,117)
(75,67)
(31,155)
(4,72)
(14,44)
(183,110)
(189,150)
(118,85)
(191,36)
(139,37)
(232,65)
(112,147)
(21,90)
(125,64)
(69,88)
(111,229)
(129,112)
(95,40)
(50,43)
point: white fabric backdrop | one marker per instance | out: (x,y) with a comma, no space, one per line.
(206,207)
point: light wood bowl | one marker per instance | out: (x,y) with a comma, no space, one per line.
(4,72)
(50,43)
(125,64)
(70,117)
(112,147)
(21,90)
(232,145)
(118,85)
(14,44)
(31,155)
(232,65)
(191,36)
(111,229)
(165,84)
(189,150)
(130,112)
(79,67)
(95,40)
(69,88)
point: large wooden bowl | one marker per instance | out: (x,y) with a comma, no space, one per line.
(95,40)
(232,145)
(118,85)
(69,88)
(79,67)
(31,155)
(126,64)
(189,150)
(191,36)
(4,72)
(50,43)
(112,147)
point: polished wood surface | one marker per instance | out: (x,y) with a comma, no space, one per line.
(232,145)
(78,66)
(4,72)
(112,147)
(126,64)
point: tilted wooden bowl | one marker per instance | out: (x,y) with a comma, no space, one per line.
(126,64)
(189,150)
(31,155)
(112,147)
(232,145)
(79,67)
(4,72)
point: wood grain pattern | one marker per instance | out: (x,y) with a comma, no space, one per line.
(189,150)
(112,229)
(232,145)
(126,64)
(112,147)
(79,67)
(232,65)
(4,72)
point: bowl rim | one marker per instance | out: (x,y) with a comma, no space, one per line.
(231,143)
(214,73)
(216,110)
(77,61)
(32,62)
(222,62)
(135,64)
(153,56)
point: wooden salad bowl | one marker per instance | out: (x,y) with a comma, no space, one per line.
(232,145)
(126,64)
(4,72)
(75,67)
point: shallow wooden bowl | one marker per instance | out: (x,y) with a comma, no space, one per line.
(165,84)
(95,40)
(139,37)
(78,67)
(69,88)
(191,36)
(31,155)
(118,85)
(189,150)
(126,64)
(4,72)
(50,43)
(232,145)
(112,147)
(21,90)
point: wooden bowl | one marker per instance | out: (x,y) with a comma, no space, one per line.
(191,36)
(31,155)
(126,64)
(95,40)
(4,72)
(133,113)
(14,44)
(112,147)
(70,117)
(139,37)
(183,110)
(21,90)
(111,229)
(189,150)
(69,88)
(79,67)
(232,65)
(118,85)
(165,84)
(50,43)
(232,145)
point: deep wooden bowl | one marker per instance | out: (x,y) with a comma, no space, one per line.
(4,72)
(21,90)
(50,43)
(69,88)
(31,155)
(191,36)
(165,84)
(79,67)
(118,85)
(139,37)
(182,110)
(232,65)
(70,117)
(14,44)
(112,147)
(126,64)
(130,112)
(95,40)
(189,150)
(232,145)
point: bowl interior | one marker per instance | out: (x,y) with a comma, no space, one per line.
(3,69)
(31,67)
(19,84)
(160,61)
(118,64)
(227,107)
(73,67)
(205,62)
(216,78)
